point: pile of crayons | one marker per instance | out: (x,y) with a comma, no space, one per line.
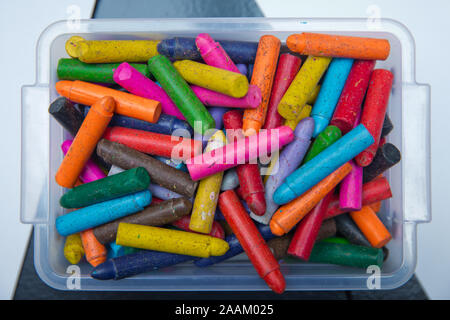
(192,150)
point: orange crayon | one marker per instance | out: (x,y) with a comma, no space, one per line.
(371,226)
(263,74)
(288,215)
(83,145)
(376,207)
(327,45)
(126,104)
(95,252)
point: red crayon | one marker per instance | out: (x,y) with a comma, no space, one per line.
(382,142)
(216,230)
(156,200)
(372,191)
(155,143)
(374,111)
(288,66)
(350,101)
(251,184)
(307,230)
(251,240)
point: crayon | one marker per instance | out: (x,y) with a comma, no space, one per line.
(292,123)
(323,164)
(312,99)
(73,248)
(371,226)
(374,111)
(251,185)
(288,161)
(174,163)
(350,101)
(338,240)
(101,213)
(229,83)
(216,99)
(386,157)
(205,202)
(73,69)
(262,76)
(108,51)
(376,207)
(91,171)
(166,124)
(339,46)
(230,180)
(213,54)
(160,173)
(242,68)
(387,126)
(382,142)
(172,241)
(326,138)
(235,246)
(350,192)
(302,86)
(288,66)
(288,215)
(116,251)
(252,241)
(84,143)
(180,93)
(372,192)
(216,229)
(333,83)
(250,71)
(279,245)
(239,152)
(348,229)
(69,117)
(305,235)
(155,143)
(96,253)
(226,228)
(157,214)
(180,48)
(126,103)
(136,83)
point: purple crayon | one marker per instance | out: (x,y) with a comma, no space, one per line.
(289,160)
(136,83)
(242,68)
(215,99)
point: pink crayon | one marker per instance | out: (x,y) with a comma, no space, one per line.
(240,152)
(215,99)
(91,171)
(213,53)
(350,193)
(136,83)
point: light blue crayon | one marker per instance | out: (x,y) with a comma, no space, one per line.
(329,94)
(116,250)
(101,213)
(322,165)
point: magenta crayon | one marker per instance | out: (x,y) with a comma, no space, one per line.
(136,83)
(213,53)
(91,171)
(239,152)
(216,99)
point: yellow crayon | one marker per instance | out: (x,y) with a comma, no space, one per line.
(314,95)
(220,80)
(208,190)
(73,248)
(302,86)
(305,112)
(172,241)
(109,51)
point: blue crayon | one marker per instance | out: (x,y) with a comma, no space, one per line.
(322,165)
(116,250)
(136,263)
(242,68)
(174,163)
(235,247)
(250,72)
(180,48)
(217,114)
(101,213)
(166,124)
(329,94)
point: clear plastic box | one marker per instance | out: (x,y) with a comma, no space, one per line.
(409,110)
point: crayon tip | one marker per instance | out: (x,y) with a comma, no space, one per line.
(275,281)
(257,203)
(97,260)
(166,47)
(276,229)
(218,247)
(72,46)
(63,88)
(253,96)
(283,194)
(104,271)
(364,158)
(251,127)
(296,42)
(123,72)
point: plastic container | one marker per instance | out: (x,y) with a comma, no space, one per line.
(409,110)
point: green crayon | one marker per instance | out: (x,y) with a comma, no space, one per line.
(325,139)
(74,69)
(181,94)
(338,240)
(111,187)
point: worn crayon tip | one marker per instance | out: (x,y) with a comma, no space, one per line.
(253,96)
(296,42)
(73,45)
(123,72)
(276,229)
(283,195)
(218,247)
(275,281)
(103,271)
(63,87)
(364,158)
(257,203)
